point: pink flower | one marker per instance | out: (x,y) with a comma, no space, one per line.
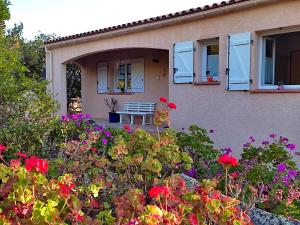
(172,105)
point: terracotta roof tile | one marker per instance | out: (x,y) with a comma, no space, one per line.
(147,21)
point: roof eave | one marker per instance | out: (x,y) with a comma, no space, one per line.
(157,24)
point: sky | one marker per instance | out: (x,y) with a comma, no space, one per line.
(67,17)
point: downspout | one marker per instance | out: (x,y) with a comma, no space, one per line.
(50,78)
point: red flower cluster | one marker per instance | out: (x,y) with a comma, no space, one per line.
(2,148)
(172,105)
(163,99)
(22,155)
(127,128)
(234,174)
(15,163)
(65,190)
(37,164)
(228,160)
(154,192)
(93,149)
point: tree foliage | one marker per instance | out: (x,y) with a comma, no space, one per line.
(26,110)
(4,14)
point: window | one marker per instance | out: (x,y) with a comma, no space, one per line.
(124,77)
(130,76)
(210,62)
(281,61)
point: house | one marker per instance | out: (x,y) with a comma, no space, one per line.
(250,48)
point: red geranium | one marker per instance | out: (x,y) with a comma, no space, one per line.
(127,128)
(228,160)
(22,155)
(163,99)
(234,174)
(93,149)
(15,163)
(193,219)
(2,148)
(95,204)
(65,190)
(172,105)
(154,192)
(39,165)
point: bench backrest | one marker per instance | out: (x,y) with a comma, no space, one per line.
(140,106)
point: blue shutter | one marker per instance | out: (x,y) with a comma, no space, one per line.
(239,61)
(183,62)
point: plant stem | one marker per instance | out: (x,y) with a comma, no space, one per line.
(226,181)
(158,135)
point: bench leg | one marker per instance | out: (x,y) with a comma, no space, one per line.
(151,119)
(131,119)
(121,118)
(144,120)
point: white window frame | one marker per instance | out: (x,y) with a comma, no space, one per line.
(262,46)
(204,59)
(125,62)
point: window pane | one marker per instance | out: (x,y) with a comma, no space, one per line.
(128,76)
(269,62)
(212,64)
(121,77)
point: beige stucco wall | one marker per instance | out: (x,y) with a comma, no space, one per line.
(155,79)
(235,115)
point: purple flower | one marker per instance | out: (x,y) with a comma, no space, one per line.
(88,116)
(96,128)
(84,142)
(286,180)
(246,145)
(281,167)
(252,139)
(291,146)
(265,142)
(226,150)
(192,173)
(77,124)
(283,140)
(104,141)
(74,117)
(211,131)
(273,135)
(64,118)
(107,133)
(292,174)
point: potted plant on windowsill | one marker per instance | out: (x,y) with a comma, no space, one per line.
(112,104)
(209,77)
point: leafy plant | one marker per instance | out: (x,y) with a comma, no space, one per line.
(200,147)
(112,104)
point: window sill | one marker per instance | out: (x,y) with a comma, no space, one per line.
(120,93)
(273,91)
(207,83)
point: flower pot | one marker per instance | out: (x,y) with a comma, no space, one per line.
(114,117)
(210,79)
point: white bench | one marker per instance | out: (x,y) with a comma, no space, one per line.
(143,109)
